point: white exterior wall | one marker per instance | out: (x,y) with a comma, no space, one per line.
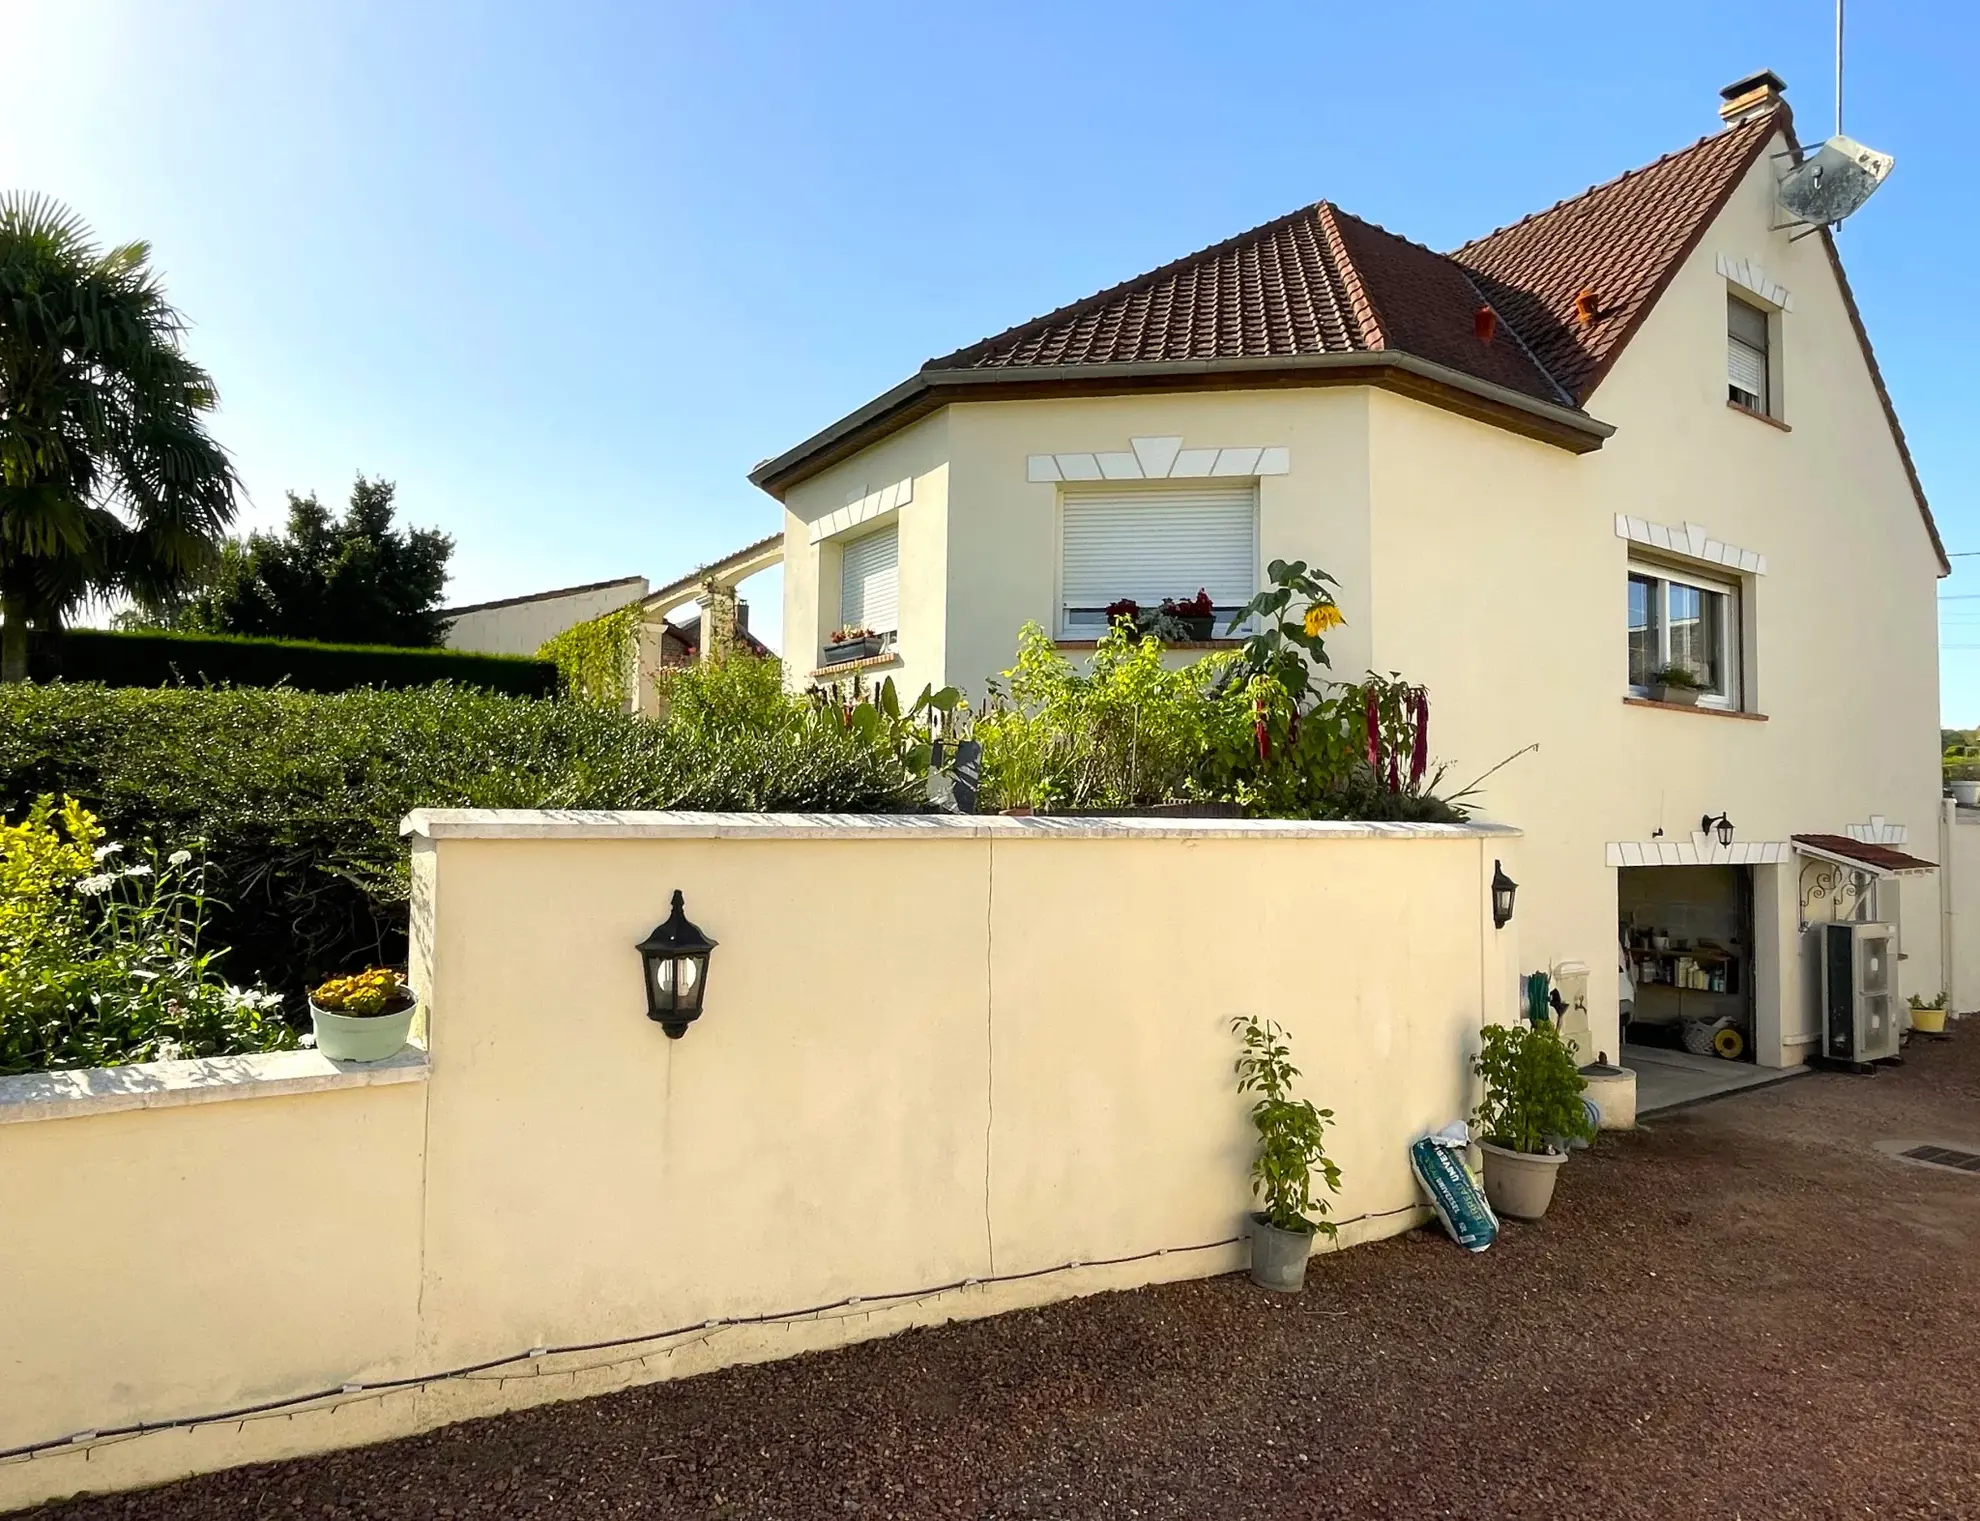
(1488,566)
(1003,569)
(918,454)
(524,626)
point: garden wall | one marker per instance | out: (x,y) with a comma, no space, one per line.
(937,1054)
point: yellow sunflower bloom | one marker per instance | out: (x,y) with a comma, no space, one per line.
(1322,616)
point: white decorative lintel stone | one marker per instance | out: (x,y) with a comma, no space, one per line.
(1748,275)
(865,506)
(1691,541)
(1699,850)
(1159,458)
(1879,832)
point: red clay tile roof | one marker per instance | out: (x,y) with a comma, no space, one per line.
(1319,282)
(1315,282)
(1623,240)
(1877,857)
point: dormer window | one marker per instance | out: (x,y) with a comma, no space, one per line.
(1748,356)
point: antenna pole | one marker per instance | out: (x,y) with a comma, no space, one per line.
(1839,66)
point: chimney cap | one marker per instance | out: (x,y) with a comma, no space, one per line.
(1747,98)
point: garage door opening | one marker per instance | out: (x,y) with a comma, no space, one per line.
(1687,959)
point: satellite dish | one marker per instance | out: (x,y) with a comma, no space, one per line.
(1833,181)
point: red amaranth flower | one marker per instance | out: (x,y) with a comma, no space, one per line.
(1374,732)
(1419,753)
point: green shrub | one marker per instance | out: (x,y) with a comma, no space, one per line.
(1532,1089)
(158,658)
(1128,732)
(298,796)
(1124,733)
(102,958)
(597,660)
(1291,1132)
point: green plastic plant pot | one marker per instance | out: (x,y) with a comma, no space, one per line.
(361,1038)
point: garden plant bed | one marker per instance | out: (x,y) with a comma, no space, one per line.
(1744,1309)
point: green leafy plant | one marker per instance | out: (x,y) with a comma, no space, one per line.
(109,480)
(1294,614)
(1291,1132)
(1127,731)
(1919,1003)
(597,660)
(875,717)
(102,957)
(1532,1088)
(1681,676)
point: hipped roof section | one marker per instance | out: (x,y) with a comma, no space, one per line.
(1517,328)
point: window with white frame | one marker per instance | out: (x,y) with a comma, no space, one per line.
(1748,356)
(1149,543)
(1687,622)
(870,582)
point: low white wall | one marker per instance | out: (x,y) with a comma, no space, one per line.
(936,1052)
(1959,877)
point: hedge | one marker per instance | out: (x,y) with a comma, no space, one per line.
(157,659)
(298,795)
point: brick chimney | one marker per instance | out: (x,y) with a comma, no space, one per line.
(1755,95)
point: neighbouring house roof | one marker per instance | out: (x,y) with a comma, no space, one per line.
(544,596)
(745,562)
(1880,860)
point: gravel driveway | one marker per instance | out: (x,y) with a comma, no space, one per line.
(1742,1310)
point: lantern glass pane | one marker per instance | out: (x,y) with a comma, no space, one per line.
(676,978)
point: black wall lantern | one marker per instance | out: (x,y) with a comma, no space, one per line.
(1503,888)
(676,959)
(1722,824)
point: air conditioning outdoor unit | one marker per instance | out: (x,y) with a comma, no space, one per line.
(1859,1018)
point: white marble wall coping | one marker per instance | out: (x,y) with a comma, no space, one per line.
(206,1080)
(576,824)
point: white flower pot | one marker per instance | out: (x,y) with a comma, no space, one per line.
(361,1037)
(1966,794)
(1520,1183)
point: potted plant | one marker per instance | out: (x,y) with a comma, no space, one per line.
(1125,610)
(1290,1148)
(365,1017)
(1676,683)
(851,643)
(1928,1018)
(1963,777)
(1532,1101)
(1196,615)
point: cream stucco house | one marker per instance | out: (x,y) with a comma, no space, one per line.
(1643,425)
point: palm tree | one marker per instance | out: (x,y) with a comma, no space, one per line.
(109,482)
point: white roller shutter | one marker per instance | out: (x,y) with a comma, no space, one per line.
(1746,351)
(1152,542)
(870,583)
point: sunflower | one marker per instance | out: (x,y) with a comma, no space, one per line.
(1322,616)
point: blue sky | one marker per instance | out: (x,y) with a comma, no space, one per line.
(565,272)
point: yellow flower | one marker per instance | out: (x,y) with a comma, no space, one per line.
(1322,616)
